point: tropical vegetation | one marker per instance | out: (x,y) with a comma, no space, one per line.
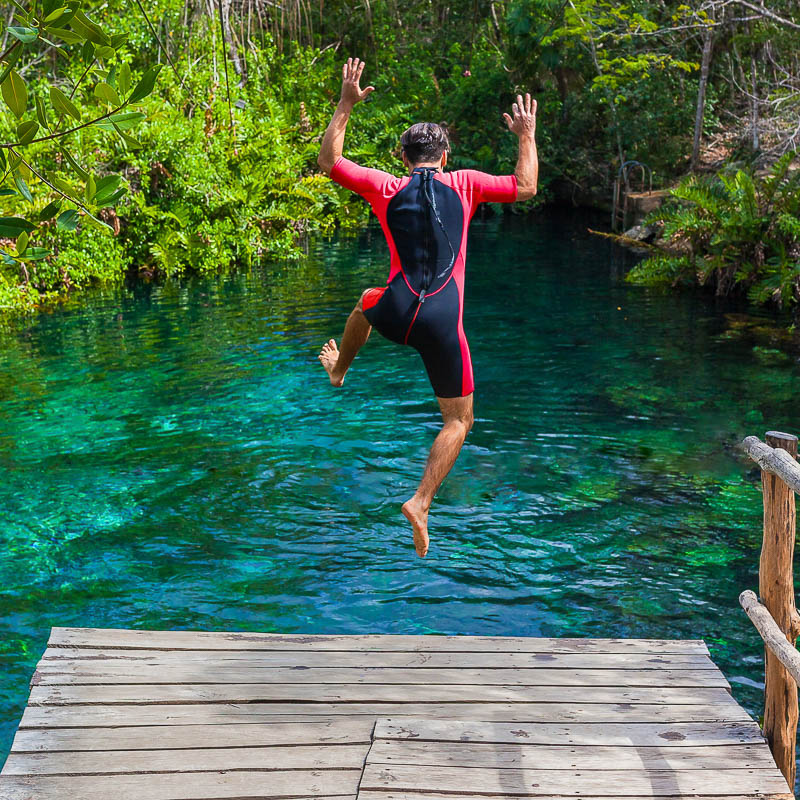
(155,139)
(733,230)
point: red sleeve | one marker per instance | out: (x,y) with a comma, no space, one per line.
(364,180)
(491,188)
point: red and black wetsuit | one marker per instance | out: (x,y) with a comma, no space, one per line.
(425,217)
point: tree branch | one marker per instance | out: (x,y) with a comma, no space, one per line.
(58,191)
(64,133)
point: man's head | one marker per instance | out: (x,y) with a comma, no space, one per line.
(425,143)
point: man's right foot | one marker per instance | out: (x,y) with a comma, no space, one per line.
(329,357)
(418,518)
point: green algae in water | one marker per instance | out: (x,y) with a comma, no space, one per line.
(174,458)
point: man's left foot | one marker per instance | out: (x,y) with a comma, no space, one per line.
(329,357)
(418,518)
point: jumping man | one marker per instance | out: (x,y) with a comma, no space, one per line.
(424,216)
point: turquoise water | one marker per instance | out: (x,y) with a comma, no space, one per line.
(173,457)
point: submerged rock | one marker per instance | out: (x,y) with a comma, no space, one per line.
(643,233)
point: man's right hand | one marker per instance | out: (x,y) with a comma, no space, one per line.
(523,123)
(351,76)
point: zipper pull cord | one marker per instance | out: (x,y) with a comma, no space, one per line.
(431,198)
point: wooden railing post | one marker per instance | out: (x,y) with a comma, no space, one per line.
(776,587)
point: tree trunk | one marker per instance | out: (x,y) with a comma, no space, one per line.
(701,97)
(230,40)
(754,101)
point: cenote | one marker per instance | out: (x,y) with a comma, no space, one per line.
(174,457)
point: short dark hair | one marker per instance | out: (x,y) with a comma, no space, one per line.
(425,141)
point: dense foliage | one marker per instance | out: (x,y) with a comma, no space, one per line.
(737,230)
(216,167)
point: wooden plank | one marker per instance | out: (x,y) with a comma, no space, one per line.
(395,795)
(372,693)
(571,783)
(367,658)
(222,713)
(296,784)
(196,640)
(224,758)
(621,734)
(346,730)
(112,672)
(536,756)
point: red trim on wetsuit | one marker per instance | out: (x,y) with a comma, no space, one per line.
(371,298)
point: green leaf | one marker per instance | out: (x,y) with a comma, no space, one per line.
(70,37)
(49,211)
(22,243)
(36,253)
(26,131)
(65,186)
(105,52)
(6,192)
(76,166)
(67,220)
(40,113)
(14,160)
(111,78)
(105,200)
(90,189)
(105,92)
(12,227)
(134,144)
(88,29)
(118,39)
(10,62)
(145,85)
(23,188)
(108,191)
(15,93)
(2,159)
(108,182)
(25,35)
(21,168)
(124,78)
(87,51)
(123,121)
(63,104)
(54,15)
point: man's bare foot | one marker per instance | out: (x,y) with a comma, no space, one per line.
(418,518)
(329,356)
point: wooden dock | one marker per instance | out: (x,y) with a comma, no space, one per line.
(146,715)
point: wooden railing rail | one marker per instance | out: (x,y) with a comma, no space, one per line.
(775,460)
(777,620)
(774,638)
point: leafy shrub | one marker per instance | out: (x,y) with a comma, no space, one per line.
(735,231)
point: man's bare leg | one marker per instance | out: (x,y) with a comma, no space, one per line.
(457,416)
(356,332)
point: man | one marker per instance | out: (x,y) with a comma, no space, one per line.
(424,217)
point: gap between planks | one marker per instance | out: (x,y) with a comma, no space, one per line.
(94,694)
(177,640)
(93,672)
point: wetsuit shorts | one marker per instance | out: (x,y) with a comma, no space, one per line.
(425,218)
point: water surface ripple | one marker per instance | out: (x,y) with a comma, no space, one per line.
(174,458)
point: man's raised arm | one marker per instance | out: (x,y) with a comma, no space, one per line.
(523,124)
(331,148)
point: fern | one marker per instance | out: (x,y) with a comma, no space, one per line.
(741,233)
